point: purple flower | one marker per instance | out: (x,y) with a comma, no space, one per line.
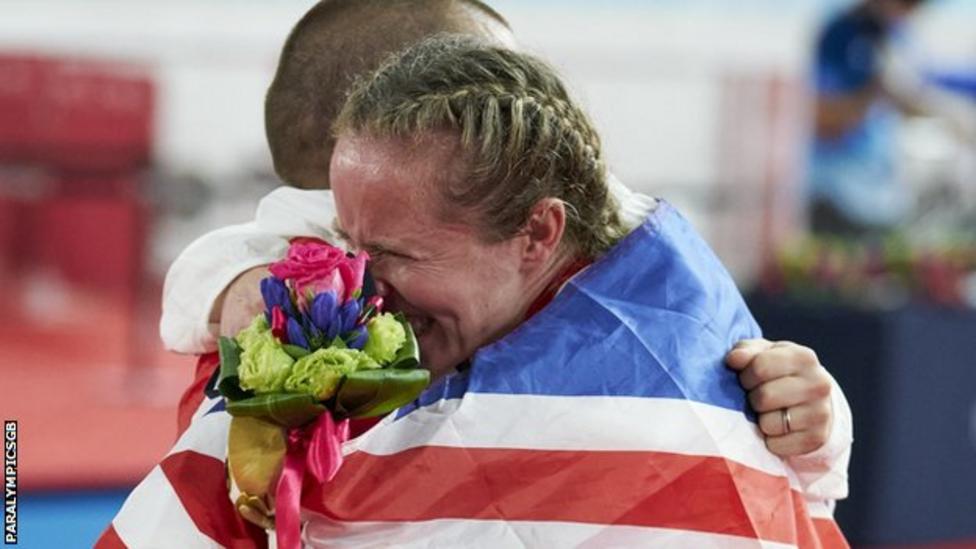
(357,338)
(323,313)
(314,334)
(349,315)
(296,336)
(275,293)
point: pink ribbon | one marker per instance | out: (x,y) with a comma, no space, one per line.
(317,448)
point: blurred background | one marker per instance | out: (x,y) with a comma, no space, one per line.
(827,153)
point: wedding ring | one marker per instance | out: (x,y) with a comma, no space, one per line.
(787,428)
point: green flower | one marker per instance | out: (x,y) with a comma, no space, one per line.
(264,363)
(319,373)
(386,336)
(365,362)
(258,329)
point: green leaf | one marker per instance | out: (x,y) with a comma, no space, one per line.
(367,314)
(315,343)
(408,356)
(295,351)
(285,409)
(228,382)
(338,343)
(369,393)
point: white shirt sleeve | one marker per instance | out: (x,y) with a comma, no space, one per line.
(634,206)
(209,264)
(823,472)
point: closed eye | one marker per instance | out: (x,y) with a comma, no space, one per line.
(377,253)
(342,235)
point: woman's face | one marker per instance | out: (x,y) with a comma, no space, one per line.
(458,291)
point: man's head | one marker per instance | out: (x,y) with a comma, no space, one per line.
(471,177)
(893,12)
(336,41)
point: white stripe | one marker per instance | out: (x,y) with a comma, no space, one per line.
(323,533)
(206,435)
(205,405)
(152,516)
(821,509)
(482,420)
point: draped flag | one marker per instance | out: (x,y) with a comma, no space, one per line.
(606,420)
(184,501)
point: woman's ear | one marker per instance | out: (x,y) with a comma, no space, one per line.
(544,230)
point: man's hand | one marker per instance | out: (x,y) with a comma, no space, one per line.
(240,302)
(785,376)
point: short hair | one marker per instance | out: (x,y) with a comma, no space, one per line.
(522,136)
(333,43)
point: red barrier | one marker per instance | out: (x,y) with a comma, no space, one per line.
(21,80)
(78,116)
(90,240)
(8,236)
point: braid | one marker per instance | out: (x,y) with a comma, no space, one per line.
(488,98)
(526,140)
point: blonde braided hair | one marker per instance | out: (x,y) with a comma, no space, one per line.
(523,137)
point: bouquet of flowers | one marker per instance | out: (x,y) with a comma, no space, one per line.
(320,354)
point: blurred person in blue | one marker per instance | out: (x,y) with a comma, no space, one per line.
(853,182)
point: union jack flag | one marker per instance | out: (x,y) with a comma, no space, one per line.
(606,420)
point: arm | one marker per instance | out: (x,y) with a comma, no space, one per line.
(836,114)
(783,375)
(195,292)
(905,86)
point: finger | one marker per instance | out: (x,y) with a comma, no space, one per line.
(804,417)
(795,444)
(774,363)
(805,357)
(744,351)
(783,392)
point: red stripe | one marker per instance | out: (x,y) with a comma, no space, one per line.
(829,534)
(190,401)
(652,489)
(207,364)
(815,533)
(109,540)
(201,484)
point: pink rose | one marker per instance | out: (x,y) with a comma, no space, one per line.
(352,271)
(314,266)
